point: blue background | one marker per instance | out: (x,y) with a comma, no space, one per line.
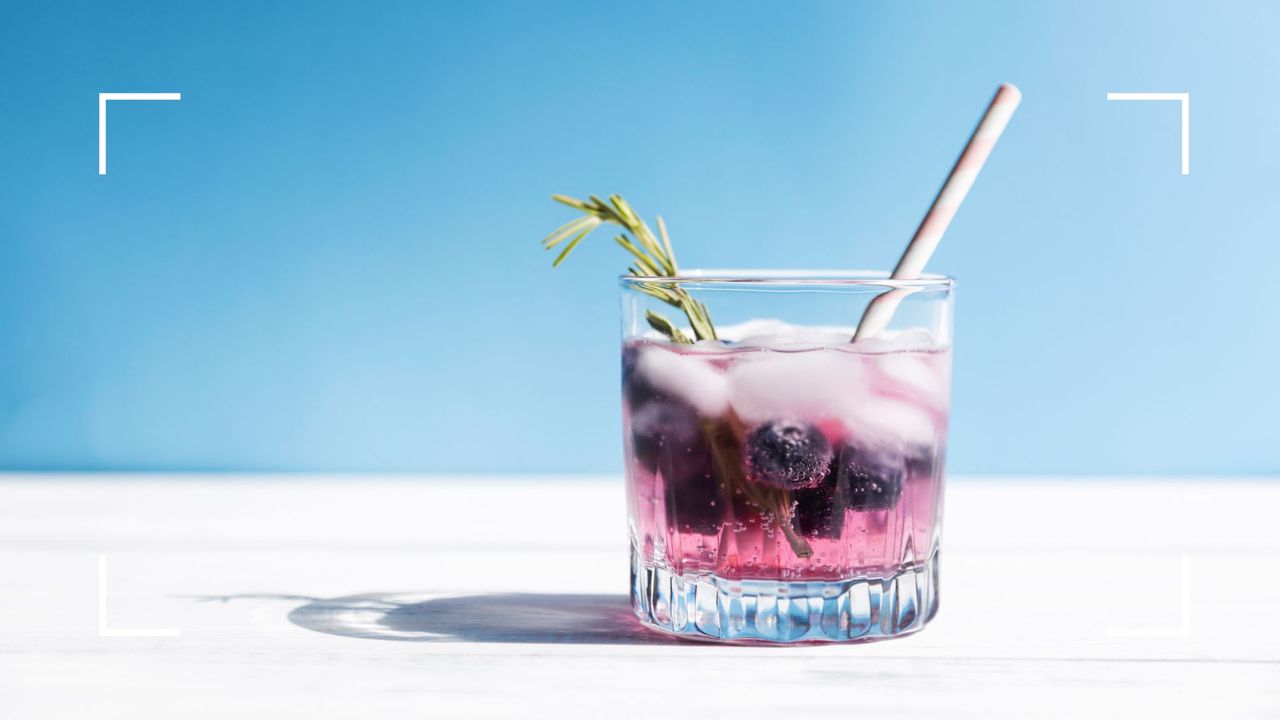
(326,255)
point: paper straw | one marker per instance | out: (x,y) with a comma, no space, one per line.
(929,234)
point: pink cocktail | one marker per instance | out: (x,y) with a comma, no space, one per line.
(784,483)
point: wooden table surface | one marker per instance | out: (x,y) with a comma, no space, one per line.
(360,597)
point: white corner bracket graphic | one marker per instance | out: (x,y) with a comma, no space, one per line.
(1185,99)
(104,631)
(1183,629)
(102,118)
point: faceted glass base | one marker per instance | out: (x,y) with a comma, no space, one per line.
(710,607)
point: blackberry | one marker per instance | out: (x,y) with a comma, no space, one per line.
(667,440)
(787,454)
(870,479)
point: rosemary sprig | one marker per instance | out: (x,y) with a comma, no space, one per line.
(652,256)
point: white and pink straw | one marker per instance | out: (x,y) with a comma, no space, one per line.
(929,234)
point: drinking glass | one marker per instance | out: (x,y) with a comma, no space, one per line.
(784,484)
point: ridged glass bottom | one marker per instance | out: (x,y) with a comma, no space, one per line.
(715,608)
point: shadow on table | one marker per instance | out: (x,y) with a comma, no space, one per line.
(496,618)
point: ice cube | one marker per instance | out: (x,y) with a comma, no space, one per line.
(890,421)
(688,377)
(895,340)
(760,328)
(912,375)
(809,385)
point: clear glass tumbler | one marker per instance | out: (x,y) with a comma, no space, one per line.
(784,484)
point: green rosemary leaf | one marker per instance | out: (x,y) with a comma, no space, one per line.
(657,291)
(569,248)
(707,331)
(665,326)
(624,211)
(666,243)
(643,260)
(571,202)
(660,258)
(568,229)
(644,236)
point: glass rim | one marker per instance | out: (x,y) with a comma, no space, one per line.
(728,277)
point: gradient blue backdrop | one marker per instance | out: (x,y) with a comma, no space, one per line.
(325,256)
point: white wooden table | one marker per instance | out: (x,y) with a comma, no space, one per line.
(309,597)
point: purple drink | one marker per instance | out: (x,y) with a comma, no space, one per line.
(786,486)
